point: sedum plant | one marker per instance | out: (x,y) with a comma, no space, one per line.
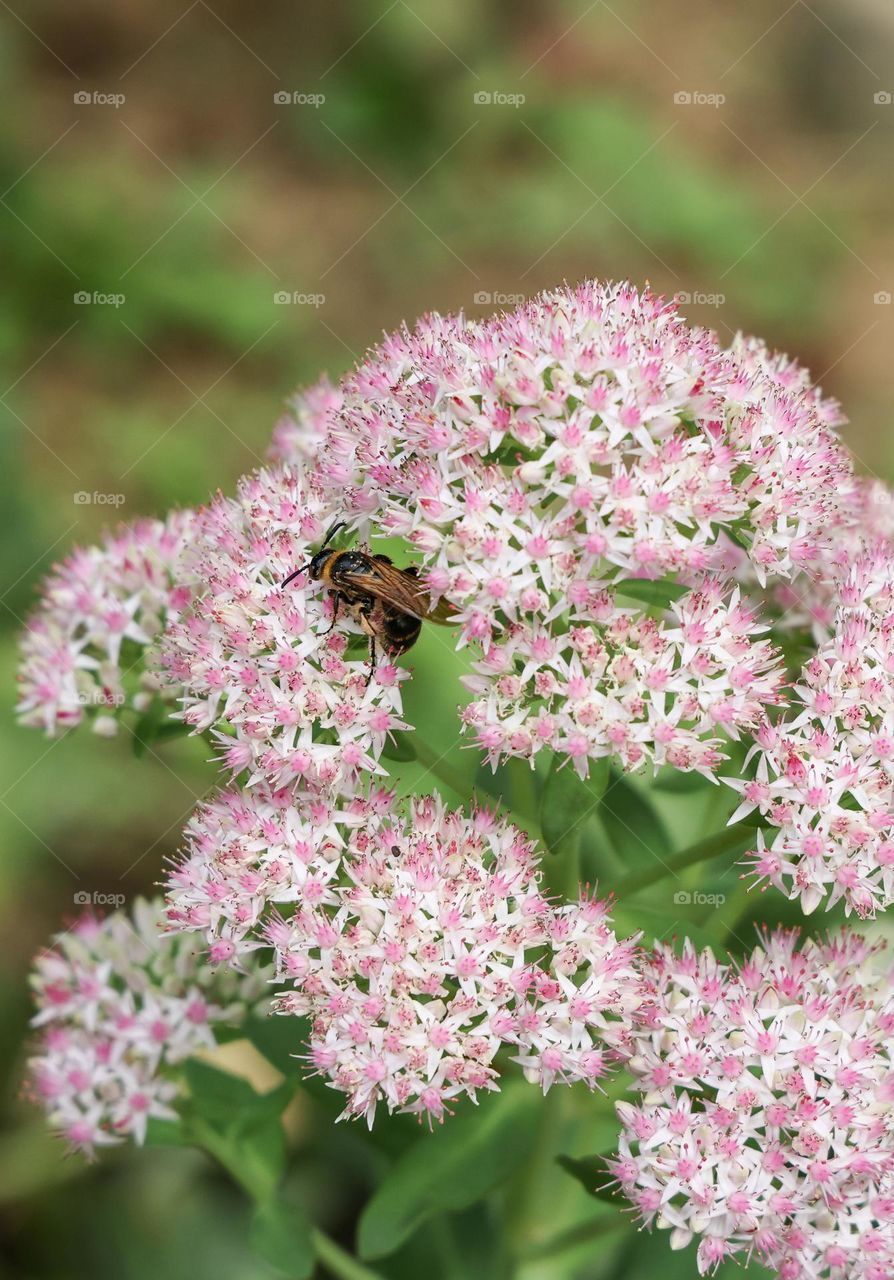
(670,597)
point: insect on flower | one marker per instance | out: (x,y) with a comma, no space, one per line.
(388,604)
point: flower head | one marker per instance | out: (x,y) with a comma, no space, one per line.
(619,682)
(824,774)
(435,947)
(118,1008)
(303,428)
(540,460)
(765,1124)
(250,851)
(83,652)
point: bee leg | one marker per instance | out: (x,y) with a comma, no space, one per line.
(335,607)
(373,662)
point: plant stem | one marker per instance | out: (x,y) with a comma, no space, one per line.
(734,839)
(561,872)
(574,1236)
(338,1261)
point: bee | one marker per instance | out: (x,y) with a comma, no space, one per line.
(388,604)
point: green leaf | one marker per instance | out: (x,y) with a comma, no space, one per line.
(145,729)
(165,1133)
(216,1094)
(171,730)
(591,1170)
(729,841)
(567,800)
(238,1126)
(512,452)
(755,820)
(337,1262)
(400,747)
(591,1173)
(735,531)
(477,1151)
(516,787)
(633,824)
(156,725)
(279,1040)
(660,592)
(666,921)
(282,1236)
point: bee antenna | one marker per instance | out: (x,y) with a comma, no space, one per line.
(292,576)
(333,530)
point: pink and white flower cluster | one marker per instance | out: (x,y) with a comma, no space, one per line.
(83,653)
(864,527)
(303,429)
(636,530)
(436,949)
(251,851)
(117,1008)
(766,1124)
(260,665)
(537,462)
(417,946)
(824,776)
(622,683)
(539,459)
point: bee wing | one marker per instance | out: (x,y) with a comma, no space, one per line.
(401,589)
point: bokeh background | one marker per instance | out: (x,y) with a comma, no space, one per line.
(170,172)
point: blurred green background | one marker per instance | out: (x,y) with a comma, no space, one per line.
(426,156)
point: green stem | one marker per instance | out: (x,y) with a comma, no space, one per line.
(561,872)
(338,1261)
(580,1234)
(734,839)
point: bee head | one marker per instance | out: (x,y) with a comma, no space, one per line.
(317,563)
